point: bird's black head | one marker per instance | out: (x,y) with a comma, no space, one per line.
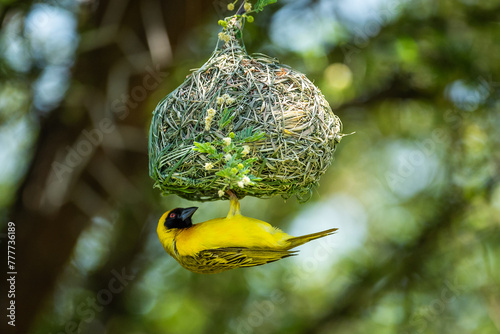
(179,218)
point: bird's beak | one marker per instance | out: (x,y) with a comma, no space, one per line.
(188,212)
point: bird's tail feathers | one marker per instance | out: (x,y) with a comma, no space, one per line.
(297,241)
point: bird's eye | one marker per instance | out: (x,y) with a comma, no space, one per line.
(172,215)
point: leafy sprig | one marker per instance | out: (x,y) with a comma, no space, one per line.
(259,6)
(249,8)
(228,157)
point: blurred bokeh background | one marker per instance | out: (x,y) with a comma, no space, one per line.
(415,191)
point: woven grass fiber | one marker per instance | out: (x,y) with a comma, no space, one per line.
(283,131)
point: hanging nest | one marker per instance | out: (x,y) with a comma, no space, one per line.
(245,123)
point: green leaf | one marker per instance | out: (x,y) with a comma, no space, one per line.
(226,118)
(256,136)
(247,135)
(249,162)
(202,147)
(225,173)
(243,134)
(259,6)
(216,156)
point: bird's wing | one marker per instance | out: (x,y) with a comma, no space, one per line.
(221,259)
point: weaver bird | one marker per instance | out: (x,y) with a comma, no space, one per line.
(225,243)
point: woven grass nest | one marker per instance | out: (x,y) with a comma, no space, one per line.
(245,123)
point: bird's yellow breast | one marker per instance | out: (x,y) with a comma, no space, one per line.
(237,231)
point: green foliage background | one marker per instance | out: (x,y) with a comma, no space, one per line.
(415,192)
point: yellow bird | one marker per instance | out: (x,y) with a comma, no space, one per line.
(225,243)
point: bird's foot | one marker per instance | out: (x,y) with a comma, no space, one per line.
(234,208)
